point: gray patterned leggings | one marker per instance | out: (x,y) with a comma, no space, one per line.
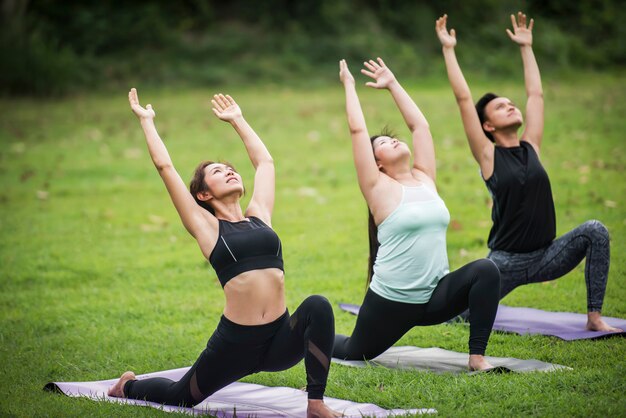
(589,240)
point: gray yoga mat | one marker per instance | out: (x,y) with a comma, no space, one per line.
(438,360)
(247,399)
(568,326)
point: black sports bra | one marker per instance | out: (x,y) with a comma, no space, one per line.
(243,246)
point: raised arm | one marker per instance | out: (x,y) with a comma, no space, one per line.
(366,168)
(262,202)
(195,219)
(523,36)
(423,149)
(480,145)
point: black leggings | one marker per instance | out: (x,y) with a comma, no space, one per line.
(382,322)
(235,351)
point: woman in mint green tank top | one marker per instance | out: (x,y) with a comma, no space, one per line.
(409,279)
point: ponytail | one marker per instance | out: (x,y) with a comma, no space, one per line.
(373,246)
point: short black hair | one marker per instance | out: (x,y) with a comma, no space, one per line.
(481,104)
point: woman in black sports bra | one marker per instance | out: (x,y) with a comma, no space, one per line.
(256,332)
(522,238)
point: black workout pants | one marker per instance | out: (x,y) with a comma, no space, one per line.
(235,351)
(382,322)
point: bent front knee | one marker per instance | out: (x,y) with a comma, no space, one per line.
(319,306)
(597,230)
(487,272)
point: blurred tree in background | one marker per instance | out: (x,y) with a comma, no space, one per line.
(55,47)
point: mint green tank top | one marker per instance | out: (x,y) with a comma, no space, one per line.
(412,256)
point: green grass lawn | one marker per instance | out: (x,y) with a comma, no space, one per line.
(98,275)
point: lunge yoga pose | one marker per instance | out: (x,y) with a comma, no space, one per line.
(409,279)
(256,332)
(522,240)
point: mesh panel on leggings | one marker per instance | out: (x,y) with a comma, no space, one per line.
(195,391)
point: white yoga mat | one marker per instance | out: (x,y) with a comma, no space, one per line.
(246,399)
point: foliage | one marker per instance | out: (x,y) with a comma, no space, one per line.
(53,49)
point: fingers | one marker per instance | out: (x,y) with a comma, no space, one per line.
(221,99)
(368,73)
(132,96)
(440,28)
(343,65)
(521,21)
(216,105)
(230,100)
(344,73)
(511,35)
(370,84)
(440,23)
(514,22)
(221,102)
(381,62)
(371,65)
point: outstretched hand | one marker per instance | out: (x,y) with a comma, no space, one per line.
(140,112)
(225,107)
(344,73)
(379,72)
(521,34)
(447,39)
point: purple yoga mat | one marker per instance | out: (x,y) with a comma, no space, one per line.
(565,325)
(247,399)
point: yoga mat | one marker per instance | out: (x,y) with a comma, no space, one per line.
(235,400)
(350,308)
(565,325)
(438,360)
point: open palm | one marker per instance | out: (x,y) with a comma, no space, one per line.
(521,35)
(225,107)
(379,72)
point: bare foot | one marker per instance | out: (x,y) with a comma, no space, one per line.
(596,323)
(478,362)
(318,409)
(117,390)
